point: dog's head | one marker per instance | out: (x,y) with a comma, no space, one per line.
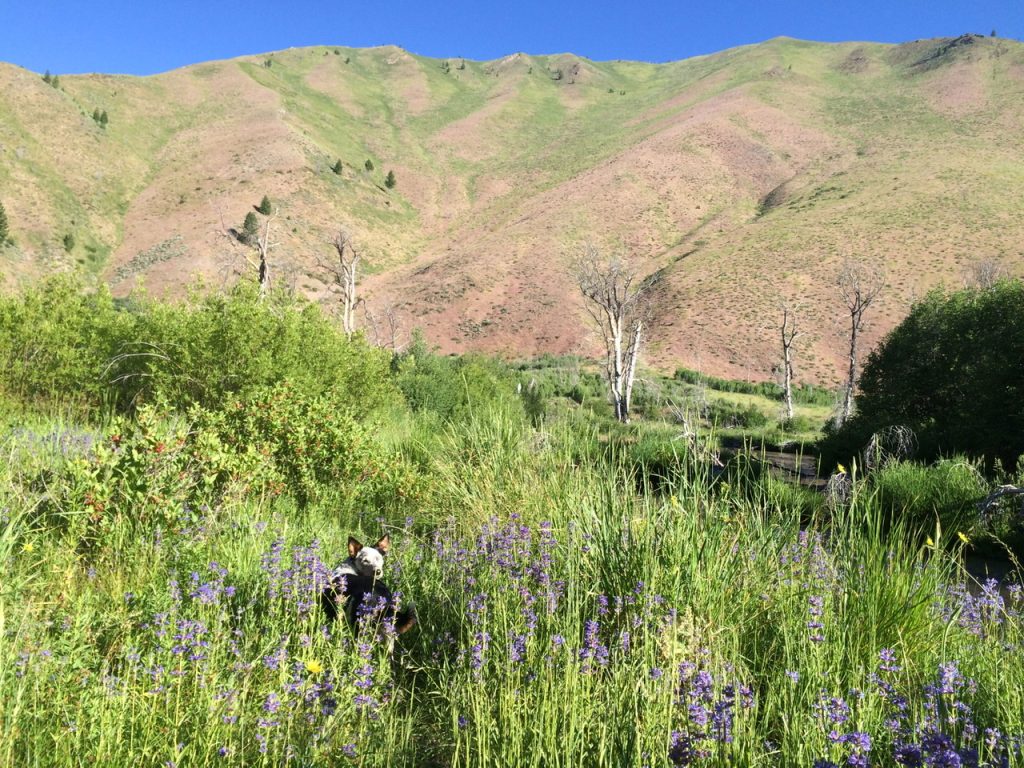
(369,561)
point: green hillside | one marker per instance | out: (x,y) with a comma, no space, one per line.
(746,176)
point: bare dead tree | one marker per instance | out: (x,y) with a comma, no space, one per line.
(789,334)
(986,273)
(263,246)
(615,299)
(342,271)
(386,327)
(859,286)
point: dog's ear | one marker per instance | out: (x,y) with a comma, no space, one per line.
(354,545)
(384,544)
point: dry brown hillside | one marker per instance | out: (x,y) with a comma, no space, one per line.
(745,178)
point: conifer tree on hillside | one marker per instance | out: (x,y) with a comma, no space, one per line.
(265,206)
(368,165)
(250,228)
(389,180)
(4,230)
(103,118)
(337,167)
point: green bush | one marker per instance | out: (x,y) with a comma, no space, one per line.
(452,387)
(61,344)
(728,415)
(152,470)
(265,207)
(56,341)
(950,372)
(389,180)
(4,226)
(318,448)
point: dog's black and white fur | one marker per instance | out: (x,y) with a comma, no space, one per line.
(359,581)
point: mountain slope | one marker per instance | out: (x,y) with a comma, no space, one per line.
(745,177)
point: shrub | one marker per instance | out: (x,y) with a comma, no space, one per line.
(69,242)
(452,387)
(59,343)
(318,448)
(950,372)
(732,415)
(337,167)
(4,226)
(389,180)
(265,207)
(368,165)
(55,341)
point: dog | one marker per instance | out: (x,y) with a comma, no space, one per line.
(359,581)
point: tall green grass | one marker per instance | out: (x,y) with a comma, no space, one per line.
(568,615)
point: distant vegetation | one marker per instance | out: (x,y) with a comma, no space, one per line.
(180,478)
(809,394)
(5,230)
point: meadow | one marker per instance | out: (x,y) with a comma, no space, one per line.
(587,594)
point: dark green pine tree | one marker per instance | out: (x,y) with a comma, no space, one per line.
(368,165)
(96,115)
(4,229)
(265,207)
(337,167)
(389,180)
(250,229)
(104,119)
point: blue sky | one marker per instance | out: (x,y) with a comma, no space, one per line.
(144,37)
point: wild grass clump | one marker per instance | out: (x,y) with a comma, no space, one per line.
(946,492)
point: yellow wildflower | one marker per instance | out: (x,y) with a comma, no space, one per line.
(840,469)
(963,537)
(28,546)
(314,667)
(929,542)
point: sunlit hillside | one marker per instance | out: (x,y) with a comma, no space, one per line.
(746,177)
